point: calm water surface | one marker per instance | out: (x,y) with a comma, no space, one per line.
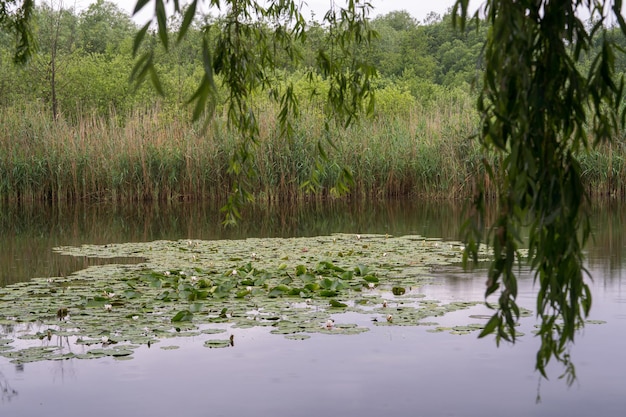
(397,371)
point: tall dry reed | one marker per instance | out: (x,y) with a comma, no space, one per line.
(155,155)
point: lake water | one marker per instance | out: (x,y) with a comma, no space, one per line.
(389,370)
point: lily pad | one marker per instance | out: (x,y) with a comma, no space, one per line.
(115,308)
(217,343)
(298,336)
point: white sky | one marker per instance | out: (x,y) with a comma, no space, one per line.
(417,8)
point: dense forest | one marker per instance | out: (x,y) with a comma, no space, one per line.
(74,127)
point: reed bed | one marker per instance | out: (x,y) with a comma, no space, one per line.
(155,155)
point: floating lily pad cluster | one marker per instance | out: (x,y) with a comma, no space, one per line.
(295,287)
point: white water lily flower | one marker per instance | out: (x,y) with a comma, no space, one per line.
(49,280)
(234,272)
(389,318)
(105,339)
(183,273)
(249,289)
(371,285)
(330,323)
(108,307)
(253,255)
(111,294)
(135,317)
(194,278)
(358,237)
(166,273)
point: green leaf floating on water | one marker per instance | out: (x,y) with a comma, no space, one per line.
(398,290)
(297,336)
(337,304)
(361,269)
(217,343)
(234,284)
(184,315)
(278,291)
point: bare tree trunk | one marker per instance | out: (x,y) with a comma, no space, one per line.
(54,43)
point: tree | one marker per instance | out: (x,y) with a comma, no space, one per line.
(103,26)
(401,47)
(539,112)
(55,32)
(51,22)
(457,52)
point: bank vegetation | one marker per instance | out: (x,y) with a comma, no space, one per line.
(74,128)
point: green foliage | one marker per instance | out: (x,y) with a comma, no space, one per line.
(244,47)
(16,19)
(537,107)
(281,97)
(458,52)
(392,100)
(85,87)
(102,37)
(103,27)
(402,46)
(55,29)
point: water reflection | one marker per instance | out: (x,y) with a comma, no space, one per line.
(387,371)
(6,391)
(607,246)
(28,232)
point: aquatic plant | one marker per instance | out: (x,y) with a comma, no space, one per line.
(294,287)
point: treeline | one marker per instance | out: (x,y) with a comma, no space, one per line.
(84,60)
(73,126)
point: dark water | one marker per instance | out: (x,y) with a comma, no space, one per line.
(400,371)
(28,233)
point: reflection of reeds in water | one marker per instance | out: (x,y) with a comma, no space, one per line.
(6,390)
(607,247)
(29,231)
(154,156)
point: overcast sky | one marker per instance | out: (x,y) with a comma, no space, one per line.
(417,8)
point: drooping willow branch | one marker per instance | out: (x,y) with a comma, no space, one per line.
(538,108)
